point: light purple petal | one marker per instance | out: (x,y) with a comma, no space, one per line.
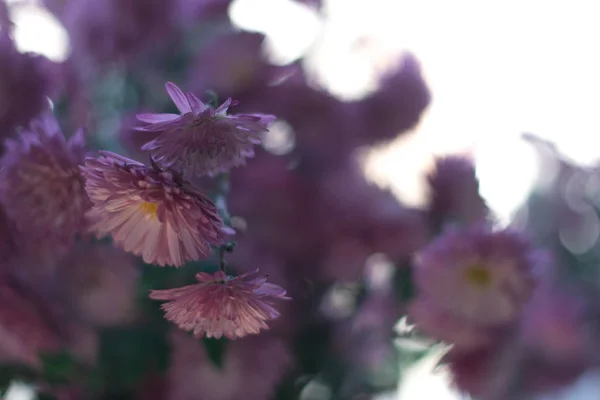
(197,105)
(178,98)
(156,118)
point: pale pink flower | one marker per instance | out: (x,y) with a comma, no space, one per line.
(150,211)
(220,305)
(202,140)
(470,280)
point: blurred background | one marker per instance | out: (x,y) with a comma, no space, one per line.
(368,94)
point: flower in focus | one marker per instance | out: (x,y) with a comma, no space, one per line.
(454,192)
(41,187)
(220,305)
(151,212)
(25,83)
(202,140)
(473,280)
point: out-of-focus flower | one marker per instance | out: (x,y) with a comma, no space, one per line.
(202,140)
(150,211)
(252,369)
(24,331)
(41,186)
(111,30)
(220,305)
(454,192)
(473,278)
(100,284)
(193,12)
(553,325)
(232,65)
(25,83)
(360,219)
(396,106)
(471,371)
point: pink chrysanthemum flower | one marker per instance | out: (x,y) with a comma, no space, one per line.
(473,282)
(220,305)
(41,187)
(151,212)
(202,140)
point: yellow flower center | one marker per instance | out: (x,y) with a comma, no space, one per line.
(479,276)
(149,209)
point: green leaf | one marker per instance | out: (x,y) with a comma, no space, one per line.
(58,368)
(127,354)
(215,349)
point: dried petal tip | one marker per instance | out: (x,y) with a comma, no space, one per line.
(41,187)
(151,212)
(220,305)
(202,140)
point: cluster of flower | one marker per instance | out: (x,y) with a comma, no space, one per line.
(351,255)
(150,211)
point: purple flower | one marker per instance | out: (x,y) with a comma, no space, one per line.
(455,192)
(219,305)
(151,212)
(109,30)
(256,364)
(472,282)
(24,86)
(202,140)
(41,187)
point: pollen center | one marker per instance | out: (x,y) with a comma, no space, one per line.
(149,208)
(479,276)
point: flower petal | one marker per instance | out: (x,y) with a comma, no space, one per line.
(178,98)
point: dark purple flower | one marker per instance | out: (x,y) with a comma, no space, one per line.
(454,192)
(220,305)
(202,140)
(41,187)
(151,212)
(109,30)
(396,106)
(25,83)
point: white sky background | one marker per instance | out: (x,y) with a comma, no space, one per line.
(496,69)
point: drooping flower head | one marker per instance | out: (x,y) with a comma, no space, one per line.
(202,140)
(41,186)
(220,305)
(472,280)
(150,211)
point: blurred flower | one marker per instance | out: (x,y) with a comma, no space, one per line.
(110,30)
(26,81)
(360,219)
(396,106)
(232,65)
(100,283)
(202,140)
(252,369)
(473,278)
(471,371)
(220,305)
(151,212)
(41,186)
(553,326)
(24,331)
(454,192)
